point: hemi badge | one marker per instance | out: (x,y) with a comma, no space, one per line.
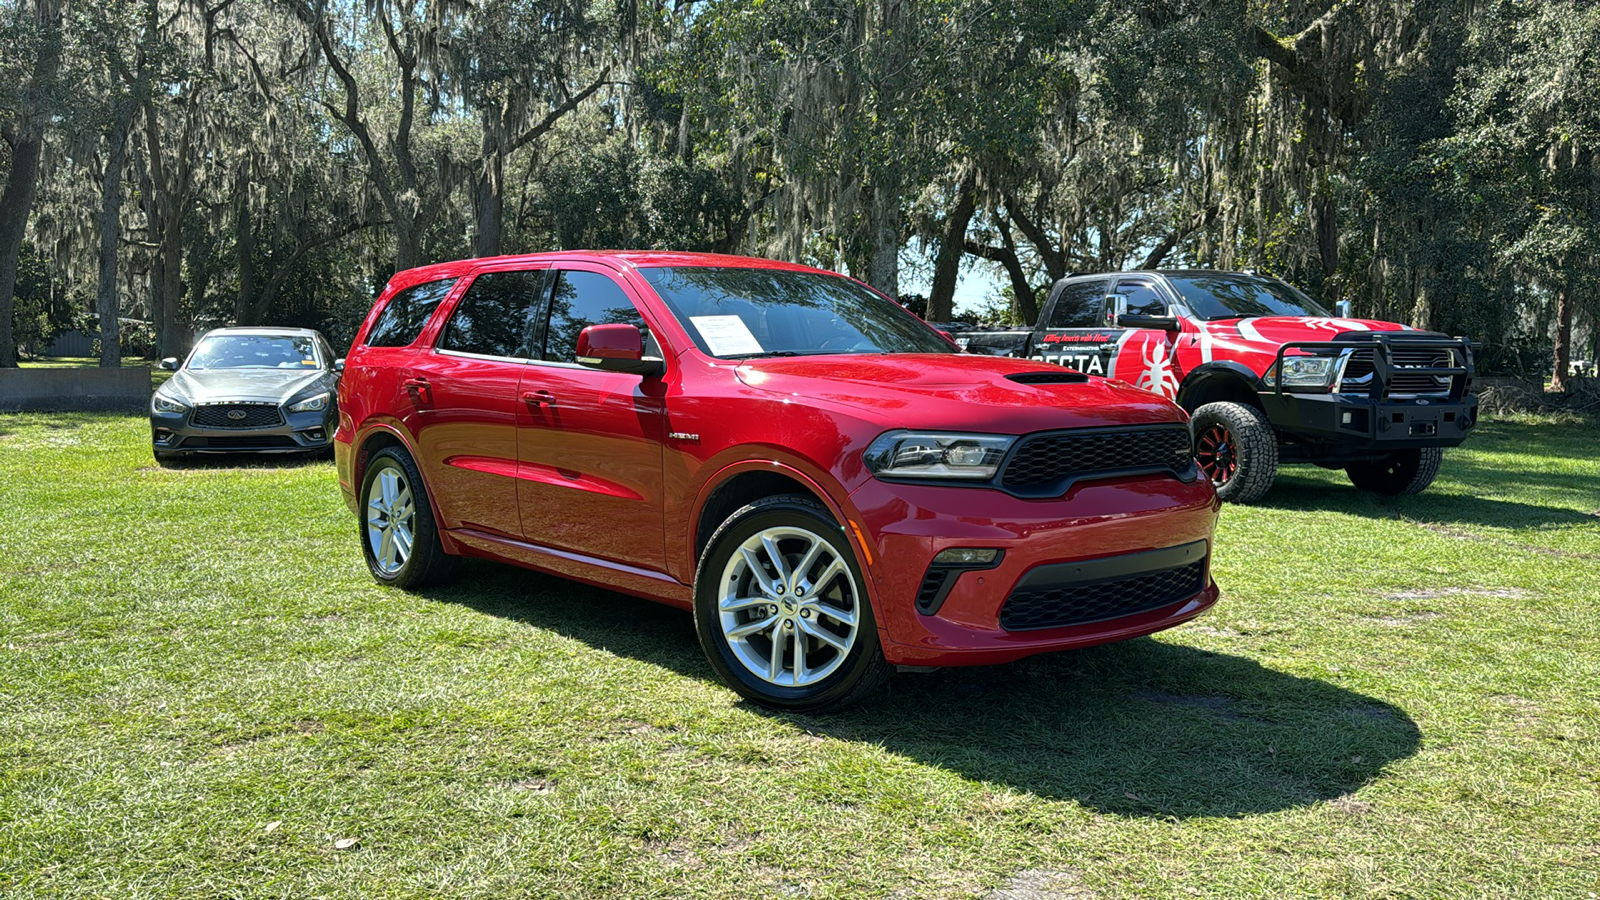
(683,436)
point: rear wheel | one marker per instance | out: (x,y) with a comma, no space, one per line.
(782,612)
(1236,448)
(399,536)
(1401,473)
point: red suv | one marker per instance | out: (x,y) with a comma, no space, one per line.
(822,478)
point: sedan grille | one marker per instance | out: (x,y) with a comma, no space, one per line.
(1047,463)
(1029,609)
(237,415)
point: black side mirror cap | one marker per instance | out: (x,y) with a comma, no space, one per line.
(1165,323)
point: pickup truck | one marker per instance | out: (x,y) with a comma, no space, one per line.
(1266,374)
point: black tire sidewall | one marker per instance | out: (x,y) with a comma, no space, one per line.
(739,527)
(415,571)
(1255,447)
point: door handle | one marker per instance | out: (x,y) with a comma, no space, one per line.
(539,398)
(419,389)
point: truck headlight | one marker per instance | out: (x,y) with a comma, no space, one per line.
(1304,371)
(311,404)
(167,405)
(933,454)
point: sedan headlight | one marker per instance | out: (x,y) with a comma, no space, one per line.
(1304,372)
(167,404)
(311,404)
(933,454)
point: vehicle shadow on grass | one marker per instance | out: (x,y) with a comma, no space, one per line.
(242,461)
(1434,506)
(1143,728)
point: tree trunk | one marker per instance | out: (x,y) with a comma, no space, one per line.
(110,216)
(1027,303)
(883,267)
(1563,354)
(22,182)
(15,205)
(947,266)
(490,202)
(244,241)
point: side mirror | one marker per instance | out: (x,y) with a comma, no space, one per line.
(1134,320)
(1343,308)
(338,364)
(170,364)
(617,348)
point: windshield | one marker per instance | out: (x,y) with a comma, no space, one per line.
(255,351)
(745,313)
(1240,296)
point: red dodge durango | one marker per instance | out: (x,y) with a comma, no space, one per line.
(824,480)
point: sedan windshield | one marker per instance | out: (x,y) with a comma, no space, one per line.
(255,351)
(1241,296)
(746,313)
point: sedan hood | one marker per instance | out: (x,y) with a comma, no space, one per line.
(222,385)
(948,391)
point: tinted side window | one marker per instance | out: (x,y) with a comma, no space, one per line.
(496,317)
(1079,305)
(1142,298)
(407,312)
(582,299)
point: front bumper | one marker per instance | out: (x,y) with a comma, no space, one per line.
(1099,528)
(175,434)
(1368,424)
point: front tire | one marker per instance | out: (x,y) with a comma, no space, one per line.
(781,609)
(1237,449)
(1400,474)
(399,536)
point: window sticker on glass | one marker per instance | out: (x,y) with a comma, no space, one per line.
(726,335)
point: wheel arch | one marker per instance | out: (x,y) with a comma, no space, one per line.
(1217,382)
(745,483)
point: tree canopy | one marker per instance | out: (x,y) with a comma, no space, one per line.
(198,162)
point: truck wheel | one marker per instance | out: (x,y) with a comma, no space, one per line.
(1237,449)
(1401,473)
(399,536)
(781,609)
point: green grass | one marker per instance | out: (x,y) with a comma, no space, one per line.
(201,691)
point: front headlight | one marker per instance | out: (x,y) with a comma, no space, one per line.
(1304,371)
(167,405)
(932,454)
(311,404)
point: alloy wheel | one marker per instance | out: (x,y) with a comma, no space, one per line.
(788,606)
(391,520)
(1214,451)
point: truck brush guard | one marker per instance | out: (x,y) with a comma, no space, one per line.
(1401,364)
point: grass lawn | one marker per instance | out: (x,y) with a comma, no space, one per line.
(158,375)
(202,693)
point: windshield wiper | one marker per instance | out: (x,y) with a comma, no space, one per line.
(768,354)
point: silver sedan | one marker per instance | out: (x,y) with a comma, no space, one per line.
(248,390)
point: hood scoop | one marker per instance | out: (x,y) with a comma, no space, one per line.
(1065,376)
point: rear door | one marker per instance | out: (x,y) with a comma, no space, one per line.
(1077,334)
(469,406)
(591,454)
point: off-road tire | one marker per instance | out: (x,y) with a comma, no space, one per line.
(426,563)
(863,669)
(1401,474)
(1251,443)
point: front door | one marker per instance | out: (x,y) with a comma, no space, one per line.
(1146,357)
(590,478)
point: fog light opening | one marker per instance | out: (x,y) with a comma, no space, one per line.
(966,556)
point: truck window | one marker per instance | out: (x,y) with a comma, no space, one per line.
(1079,305)
(1142,298)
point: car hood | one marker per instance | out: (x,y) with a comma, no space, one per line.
(948,391)
(1276,330)
(222,385)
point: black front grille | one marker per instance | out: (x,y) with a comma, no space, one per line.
(1046,462)
(240,415)
(259,442)
(1360,367)
(1029,609)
